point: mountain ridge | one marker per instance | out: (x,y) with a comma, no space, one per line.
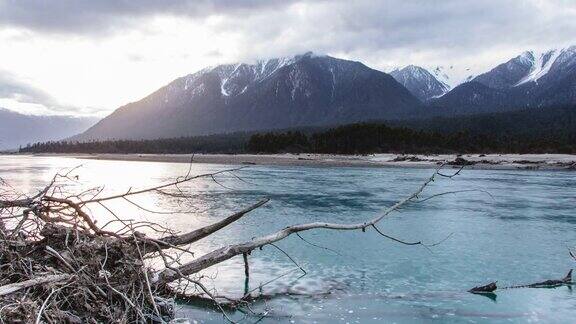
(420,82)
(316,90)
(306,90)
(529,80)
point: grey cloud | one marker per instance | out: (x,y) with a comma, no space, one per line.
(444,32)
(360,27)
(13,88)
(381,25)
(376,32)
(100,16)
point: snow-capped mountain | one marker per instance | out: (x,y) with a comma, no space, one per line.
(451,75)
(420,82)
(236,78)
(311,90)
(532,79)
(530,67)
(549,65)
(298,91)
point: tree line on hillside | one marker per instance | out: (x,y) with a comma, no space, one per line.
(363,138)
(229,143)
(380,138)
(550,130)
(529,123)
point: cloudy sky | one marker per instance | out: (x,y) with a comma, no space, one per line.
(87,57)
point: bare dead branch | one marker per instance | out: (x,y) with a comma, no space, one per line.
(166,185)
(201,233)
(14,287)
(113,264)
(395,239)
(227,252)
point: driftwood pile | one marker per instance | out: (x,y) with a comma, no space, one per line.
(58,265)
(72,277)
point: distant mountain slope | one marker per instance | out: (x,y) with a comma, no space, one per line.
(509,74)
(473,98)
(18,129)
(550,130)
(420,82)
(280,93)
(529,80)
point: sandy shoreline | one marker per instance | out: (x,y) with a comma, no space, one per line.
(472,161)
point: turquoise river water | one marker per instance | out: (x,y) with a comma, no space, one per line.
(516,228)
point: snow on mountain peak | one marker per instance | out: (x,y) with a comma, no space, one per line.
(236,78)
(451,75)
(441,74)
(542,62)
(526,58)
(420,82)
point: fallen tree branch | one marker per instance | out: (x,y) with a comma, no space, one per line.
(85,217)
(227,252)
(157,188)
(201,233)
(14,287)
(111,268)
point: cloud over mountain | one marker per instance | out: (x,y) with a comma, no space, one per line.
(123,37)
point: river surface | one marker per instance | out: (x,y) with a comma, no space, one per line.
(516,228)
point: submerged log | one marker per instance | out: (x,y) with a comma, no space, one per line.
(553,283)
(484,289)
